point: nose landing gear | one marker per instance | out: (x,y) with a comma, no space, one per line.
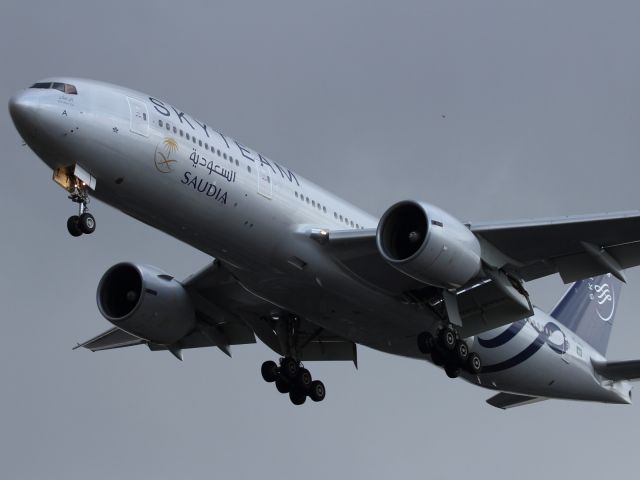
(84,222)
(290,377)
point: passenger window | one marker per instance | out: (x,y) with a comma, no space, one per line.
(187,135)
(181,133)
(224,155)
(206,146)
(237,163)
(200,142)
(168,127)
(335,215)
(324,209)
(313,202)
(175,130)
(160,123)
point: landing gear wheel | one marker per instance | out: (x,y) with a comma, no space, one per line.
(282,385)
(289,368)
(462,352)
(297,397)
(448,339)
(73,226)
(317,391)
(452,371)
(87,223)
(474,364)
(437,358)
(425,343)
(269,371)
(304,379)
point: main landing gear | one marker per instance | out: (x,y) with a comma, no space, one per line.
(84,222)
(292,378)
(448,350)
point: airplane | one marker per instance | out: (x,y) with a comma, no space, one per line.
(312,276)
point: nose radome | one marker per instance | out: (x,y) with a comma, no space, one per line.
(23,108)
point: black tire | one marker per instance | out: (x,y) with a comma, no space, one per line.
(304,379)
(452,371)
(437,358)
(474,364)
(297,397)
(73,226)
(425,343)
(448,339)
(462,352)
(289,368)
(317,392)
(282,385)
(269,371)
(87,223)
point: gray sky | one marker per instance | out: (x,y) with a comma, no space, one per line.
(541,102)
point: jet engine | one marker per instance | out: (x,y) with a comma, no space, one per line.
(428,244)
(146,302)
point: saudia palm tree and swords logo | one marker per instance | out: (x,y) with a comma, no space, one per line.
(163,154)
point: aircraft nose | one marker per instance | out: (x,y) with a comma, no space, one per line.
(24,108)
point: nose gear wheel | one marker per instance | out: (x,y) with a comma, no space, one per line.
(84,222)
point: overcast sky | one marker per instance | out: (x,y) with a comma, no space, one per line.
(541,105)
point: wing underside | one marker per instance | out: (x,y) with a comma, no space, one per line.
(230,315)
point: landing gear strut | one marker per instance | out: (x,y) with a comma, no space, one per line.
(448,350)
(292,378)
(84,222)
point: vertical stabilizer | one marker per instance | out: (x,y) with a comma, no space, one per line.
(589,307)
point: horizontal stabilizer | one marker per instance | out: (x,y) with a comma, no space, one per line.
(509,400)
(114,338)
(627,370)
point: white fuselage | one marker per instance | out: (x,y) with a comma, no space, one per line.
(175,173)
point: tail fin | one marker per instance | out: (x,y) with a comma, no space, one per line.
(589,307)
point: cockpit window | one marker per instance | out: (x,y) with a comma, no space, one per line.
(63,87)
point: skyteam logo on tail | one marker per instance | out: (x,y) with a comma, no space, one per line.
(604,297)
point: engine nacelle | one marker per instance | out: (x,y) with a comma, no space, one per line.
(146,302)
(428,244)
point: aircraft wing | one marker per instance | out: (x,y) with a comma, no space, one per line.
(576,247)
(230,315)
(113,338)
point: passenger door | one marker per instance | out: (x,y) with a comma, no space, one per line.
(139,117)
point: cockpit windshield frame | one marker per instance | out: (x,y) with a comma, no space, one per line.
(63,87)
